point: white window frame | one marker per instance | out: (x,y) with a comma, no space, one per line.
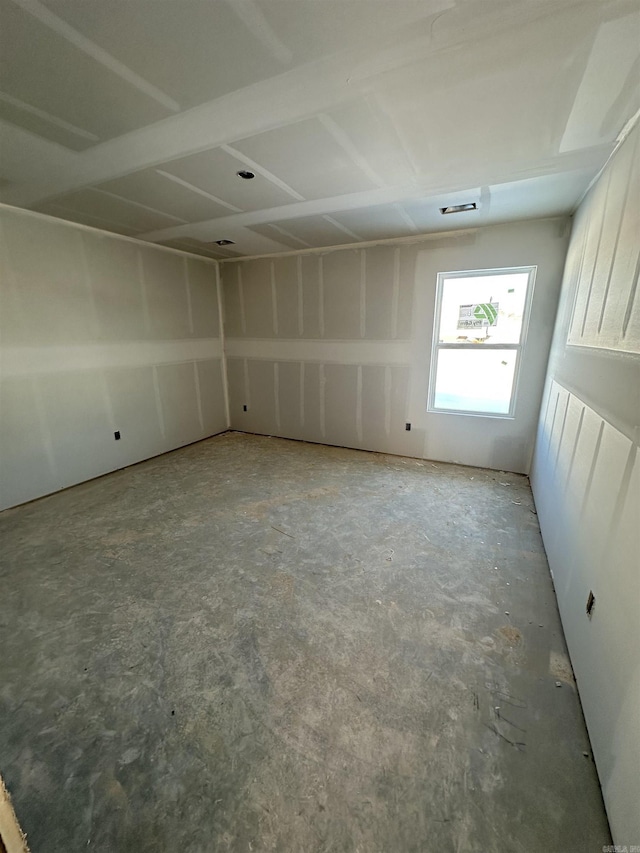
(518,347)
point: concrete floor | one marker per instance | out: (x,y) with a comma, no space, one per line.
(254,644)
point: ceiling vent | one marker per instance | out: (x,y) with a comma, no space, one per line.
(458,208)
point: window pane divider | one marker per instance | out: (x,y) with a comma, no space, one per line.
(478,346)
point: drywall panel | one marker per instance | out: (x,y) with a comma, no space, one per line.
(384,402)
(91,220)
(179,391)
(290,399)
(167,303)
(99,335)
(287,282)
(343,282)
(381,291)
(341,388)
(135,410)
(210,386)
(110,208)
(375,405)
(312,382)
(258,298)
(358,323)
(379,222)
(41,308)
(233,302)
(280,234)
(319,230)
(197,59)
(261,414)
(586,476)
(214,172)
(28,467)
(238,391)
(116,289)
(287,152)
(23,116)
(312,296)
(202,300)
(152,188)
(102,103)
(76,416)
(606,257)
(587,489)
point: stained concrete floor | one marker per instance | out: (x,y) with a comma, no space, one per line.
(254,644)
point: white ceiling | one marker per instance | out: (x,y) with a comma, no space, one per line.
(359,118)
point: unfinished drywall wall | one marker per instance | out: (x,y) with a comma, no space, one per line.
(100,334)
(335,346)
(586,475)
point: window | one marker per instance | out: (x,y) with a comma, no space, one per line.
(479,331)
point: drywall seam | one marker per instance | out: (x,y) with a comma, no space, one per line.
(106,399)
(112,235)
(196,382)
(626,130)
(223,351)
(561,436)
(247,385)
(631,299)
(274,297)
(143,291)
(327,351)
(158,399)
(88,282)
(623,210)
(187,285)
(276,393)
(592,470)
(97,53)
(576,441)
(597,252)
(26,360)
(321,296)
(395,293)
(321,387)
(300,296)
(363,293)
(45,431)
(243,315)
(359,431)
(433,236)
(388,378)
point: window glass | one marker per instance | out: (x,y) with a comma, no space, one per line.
(483,309)
(478,381)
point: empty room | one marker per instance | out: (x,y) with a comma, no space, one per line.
(319,424)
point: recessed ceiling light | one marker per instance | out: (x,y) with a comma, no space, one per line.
(459,208)
(243,173)
(224,242)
